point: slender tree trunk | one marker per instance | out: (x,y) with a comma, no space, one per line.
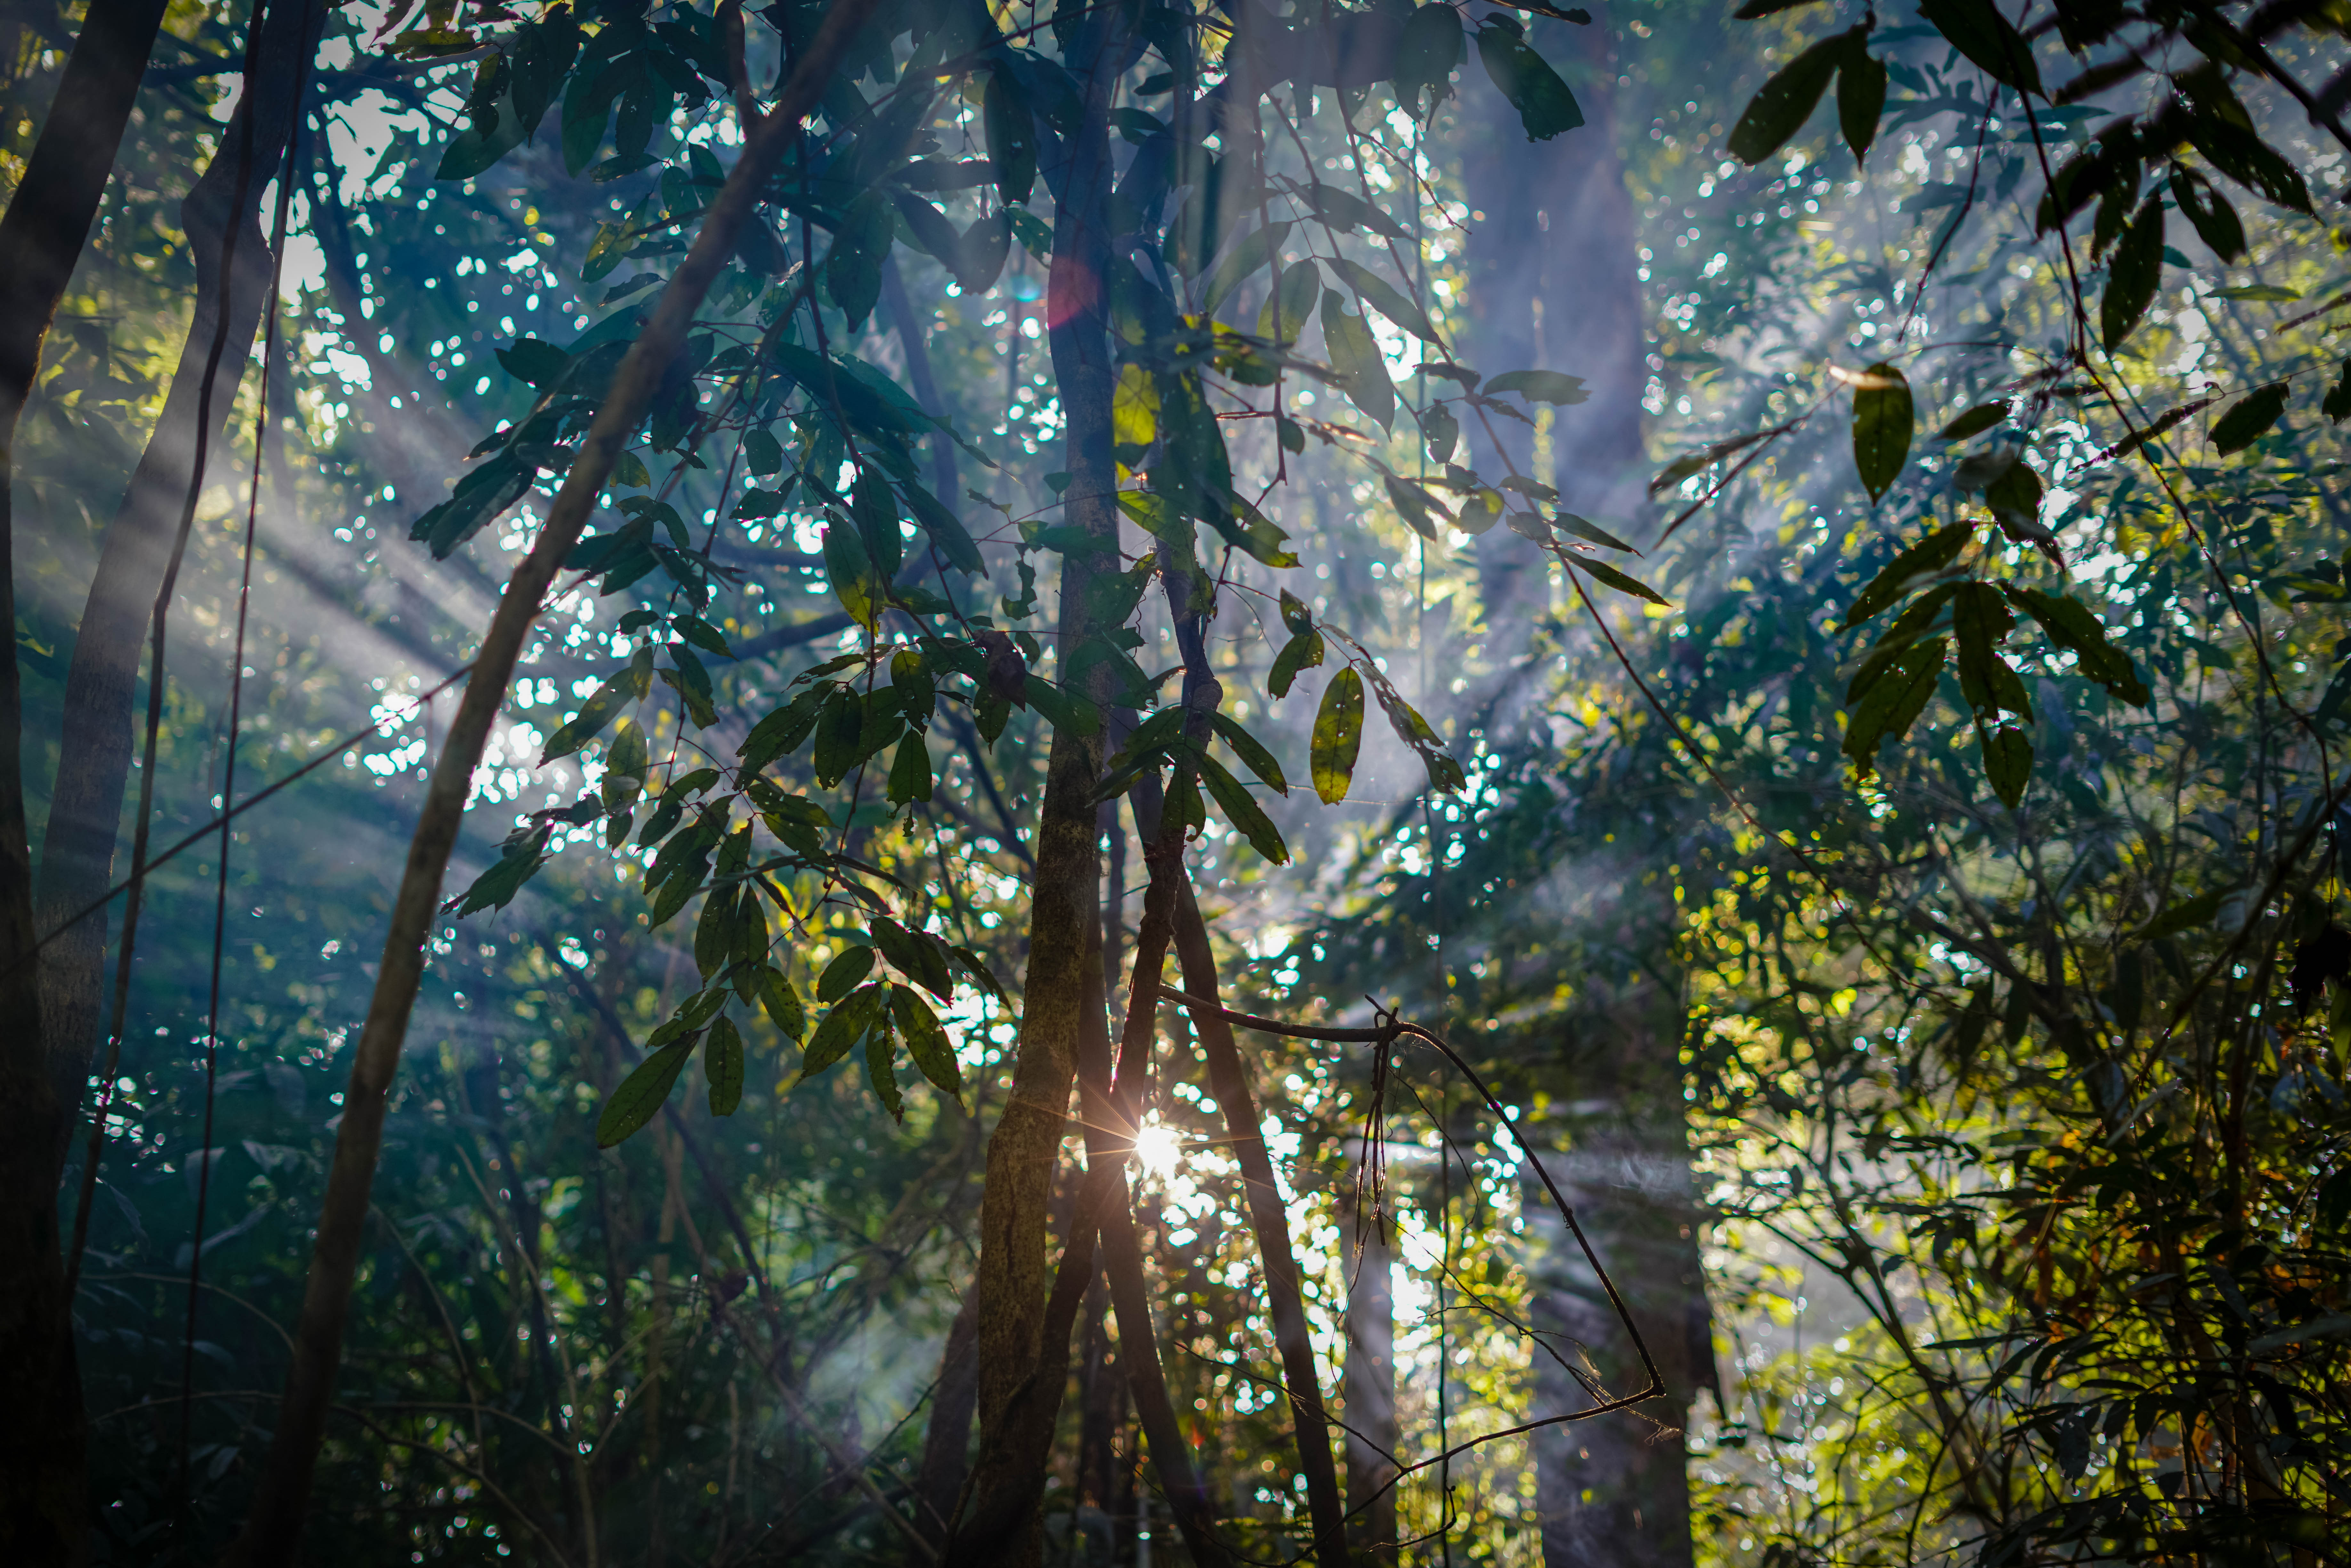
(947,1441)
(1371,1435)
(44,1511)
(273,1530)
(101,686)
(1025,1149)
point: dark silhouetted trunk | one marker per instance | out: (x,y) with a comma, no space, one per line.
(101,686)
(1371,1412)
(43,1513)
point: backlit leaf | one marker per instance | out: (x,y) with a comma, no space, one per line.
(1881,427)
(1338,736)
(1931,554)
(642,1093)
(722,1063)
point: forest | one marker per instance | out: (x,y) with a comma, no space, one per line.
(1040,783)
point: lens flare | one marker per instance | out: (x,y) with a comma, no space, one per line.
(1158,1149)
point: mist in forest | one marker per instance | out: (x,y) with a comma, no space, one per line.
(911,781)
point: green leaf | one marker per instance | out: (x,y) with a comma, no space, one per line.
(642,1093)
(1881,427)
(1357,364)
(1338,736)
(1242,810)
(1380,296)
(841,977)
(856,582)
(1540,386)
(910,773)
(722,1063)
(519,861)
(1343,209)
(1253,250)
(853,267)
(1586,528)
(843,1028)
(1545,106)
(927,1041)
(1428,46)
(1892,702)
(1252,753)
(2248,418)
(1861,99)
(1976,420)
(1978,30)
(1931,554)
(1413,504)
(2134,275)
(2215,220)
(602,707)
(2071,624)
(783,1004)
(535,363)
(947,530)
(1063,709)
(1778,112)
(2337,404)
(2259,293)
(2007,762)
(2248,160)
(1011,137)
(1441,429)
(1295,295)
(1303,652)
(1981,621)
(2199,911)
(1602,572)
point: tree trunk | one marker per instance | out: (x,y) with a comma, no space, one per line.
(1372,1433)
(94,753)
(273,1530)
(1025,1149)
(44,1511)
(1554,284)
(1614,1493)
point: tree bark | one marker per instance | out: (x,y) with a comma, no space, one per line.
(1372,1433)
(44,1509)
(101,686)
(273,1530)
(1025,1148)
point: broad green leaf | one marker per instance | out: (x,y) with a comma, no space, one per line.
(1602,572)
(1586,528)
(2134,275)
(1343,209)
(1357,363)
(518,862)
(955,542)
(2248,418)
(927,1041)
(601,707)
(1881,427)
(910,773)
(2071,624)
(1981,621)
(876,508)
(2007,762)
(783,1005)
(2337,402)
(1778,112)
(1861,99)
(1338,736)
(1011,137)
(2187,915)
(1892,703)
(1242,810)
(1135,407)
(1429,47)
(642,1093)
(1295,295)
(722,1063)
(1540,386)
(1304,650)
(2248,160)
(1065,709)
(2215,220)
(1931,554)
(1976,420)
(1978,30)
(535,363)
(1414,504)
(1252,753)
(843,1028)
(1381,297)
(844,973)
(853,267)
(1253,250)
(860,588)
(1545,106)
